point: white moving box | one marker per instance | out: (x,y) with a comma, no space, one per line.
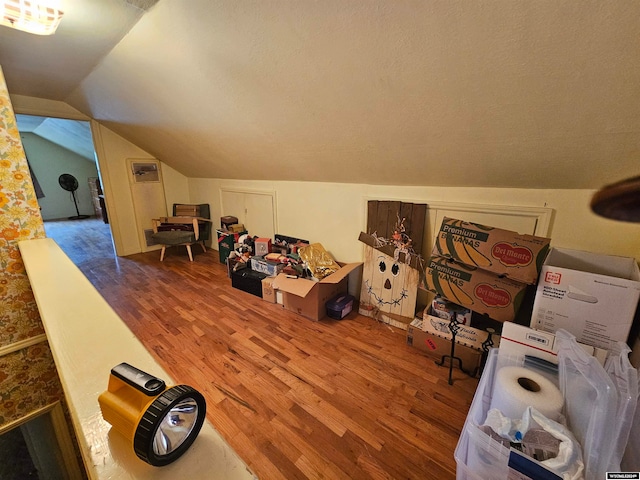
(524,341)
(592,296)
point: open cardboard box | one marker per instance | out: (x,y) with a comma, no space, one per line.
(469,335)
(308,297)
(591,295)
(520,340)
(437,346)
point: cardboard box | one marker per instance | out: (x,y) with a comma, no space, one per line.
(262,246)
(268,292)
(592,296)
(234,264)
(477,289)
(227,220)
(237,228)
(502,252)
(227,243)
(467,335)
(308,297)
(284,244)
(437,346)
(447,310)
(521,340)
(272,269)
(634,357)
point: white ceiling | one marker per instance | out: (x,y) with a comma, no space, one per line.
(74,135)
(53,66)
(488,93)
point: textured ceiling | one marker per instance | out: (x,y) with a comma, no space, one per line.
(497,93)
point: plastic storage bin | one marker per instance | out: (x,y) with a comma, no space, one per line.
(340,306)
(590,404)
(478,456)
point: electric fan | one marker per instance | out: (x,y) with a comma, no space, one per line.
(69,183)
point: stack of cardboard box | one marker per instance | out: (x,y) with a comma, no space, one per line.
(483,269)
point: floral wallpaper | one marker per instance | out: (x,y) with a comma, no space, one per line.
(28,379)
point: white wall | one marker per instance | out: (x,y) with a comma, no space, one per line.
(113,152)
(176,187)
(334,214)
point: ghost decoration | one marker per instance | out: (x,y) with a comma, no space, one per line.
(389,288)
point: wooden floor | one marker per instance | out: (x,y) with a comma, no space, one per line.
(296,399)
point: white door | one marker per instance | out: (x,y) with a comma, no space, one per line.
(147,192)
(256,210)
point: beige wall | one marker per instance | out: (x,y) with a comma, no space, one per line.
(113,152)
(176,187)
(334,214)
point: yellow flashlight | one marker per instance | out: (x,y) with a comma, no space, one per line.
(161,422)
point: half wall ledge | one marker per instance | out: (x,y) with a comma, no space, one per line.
(87,339)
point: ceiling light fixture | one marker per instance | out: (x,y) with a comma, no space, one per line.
(40,17)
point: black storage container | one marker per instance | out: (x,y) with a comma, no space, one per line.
(248,281)
(340,306)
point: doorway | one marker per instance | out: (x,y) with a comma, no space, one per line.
(40,447)
(62,149)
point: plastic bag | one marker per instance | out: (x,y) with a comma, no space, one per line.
(567,463)
(625,378)
(591,401)
(318,260)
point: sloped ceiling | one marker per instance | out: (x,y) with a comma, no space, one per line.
(498,93)
(51,67)
(74,135)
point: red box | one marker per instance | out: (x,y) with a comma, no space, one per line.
(262,246)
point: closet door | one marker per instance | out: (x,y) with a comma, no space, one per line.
(254,209)
(147,191)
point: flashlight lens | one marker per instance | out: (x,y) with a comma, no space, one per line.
(175,427)
(170,425)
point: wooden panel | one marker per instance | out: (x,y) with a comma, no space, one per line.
(383,217)
(387,291)
(372,215)
(381,220)
(393,211)
(418,219)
